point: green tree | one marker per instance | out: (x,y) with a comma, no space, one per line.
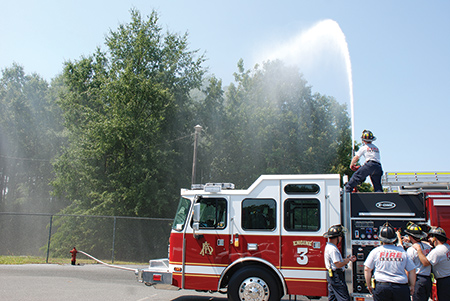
(209,112)
(125,110)
(121,107)
(271,123)
(29,134)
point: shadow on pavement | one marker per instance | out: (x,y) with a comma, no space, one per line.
(224,298)
(200,298)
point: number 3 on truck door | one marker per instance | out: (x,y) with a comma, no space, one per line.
(302,259)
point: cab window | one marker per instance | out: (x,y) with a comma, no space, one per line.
(301,189)
(302,215)
(213,213)
(258,214)
(182,212)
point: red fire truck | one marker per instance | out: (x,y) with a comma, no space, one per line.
(267,241)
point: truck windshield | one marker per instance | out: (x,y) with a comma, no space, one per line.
(182,212)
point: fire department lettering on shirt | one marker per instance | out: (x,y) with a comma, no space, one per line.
(391,256)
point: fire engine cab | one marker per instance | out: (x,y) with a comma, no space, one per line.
(267,241)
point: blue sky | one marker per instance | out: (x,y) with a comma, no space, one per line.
(399,52)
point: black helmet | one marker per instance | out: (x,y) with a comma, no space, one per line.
(335,231)
(415,231)
(425,228)
(387,234)
(437,231)
(368,136)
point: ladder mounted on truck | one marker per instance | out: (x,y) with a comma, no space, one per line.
(416,181)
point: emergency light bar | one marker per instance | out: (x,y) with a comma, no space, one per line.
(213,187)
(197,186)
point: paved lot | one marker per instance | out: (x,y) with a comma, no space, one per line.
(87,282)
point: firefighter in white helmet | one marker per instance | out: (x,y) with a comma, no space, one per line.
(335,265)
(439,258)
(389,264)
(372,166)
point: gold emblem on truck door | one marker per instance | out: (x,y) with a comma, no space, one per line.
(206,249)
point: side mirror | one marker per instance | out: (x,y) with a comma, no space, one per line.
(196,224)
(196,212)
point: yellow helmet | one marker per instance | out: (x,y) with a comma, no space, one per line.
(415,231)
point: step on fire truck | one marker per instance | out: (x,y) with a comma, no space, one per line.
(267,241)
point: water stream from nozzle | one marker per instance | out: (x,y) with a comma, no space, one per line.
(303,50)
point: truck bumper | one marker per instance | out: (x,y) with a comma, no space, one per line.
(158,275)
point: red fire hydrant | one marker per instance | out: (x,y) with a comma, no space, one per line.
(74,256)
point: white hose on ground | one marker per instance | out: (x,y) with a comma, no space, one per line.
(107,264)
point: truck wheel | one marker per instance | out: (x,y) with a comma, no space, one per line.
(253,284)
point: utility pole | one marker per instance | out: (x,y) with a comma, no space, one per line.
(198,129)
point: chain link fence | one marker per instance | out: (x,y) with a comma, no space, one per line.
(112,238)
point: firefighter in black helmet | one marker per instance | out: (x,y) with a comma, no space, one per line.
(337,287)
(422,290)
(439,258)
(389,264)
(371,167)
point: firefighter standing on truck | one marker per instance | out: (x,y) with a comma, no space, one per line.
(371,167)
(439,258)
(422,289)
(335,265)
(390,264)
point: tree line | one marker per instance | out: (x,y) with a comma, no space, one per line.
(113,133)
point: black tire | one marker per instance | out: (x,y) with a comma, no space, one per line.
(253,283)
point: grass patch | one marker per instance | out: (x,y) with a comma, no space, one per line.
(42,260)
(39,260)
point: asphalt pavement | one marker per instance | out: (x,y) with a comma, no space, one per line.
(48,282)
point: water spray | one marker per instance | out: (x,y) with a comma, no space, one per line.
(303,49)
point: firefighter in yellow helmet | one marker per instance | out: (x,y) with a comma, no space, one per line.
(422,290)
